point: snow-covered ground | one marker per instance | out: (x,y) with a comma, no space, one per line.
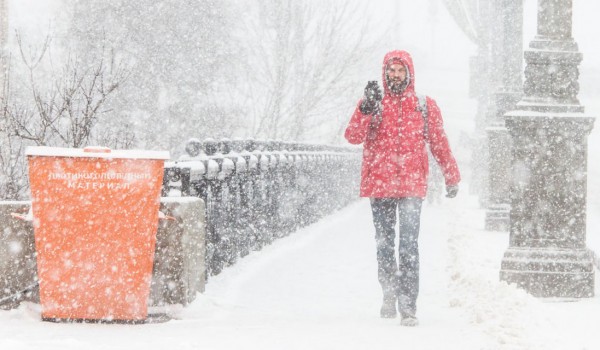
(317,289)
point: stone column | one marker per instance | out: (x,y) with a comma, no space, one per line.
(547,254)
(507,52)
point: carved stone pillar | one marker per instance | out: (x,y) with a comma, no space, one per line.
(507,51)
(547,254)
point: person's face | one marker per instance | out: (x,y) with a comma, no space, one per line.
(396,77)
(396,73)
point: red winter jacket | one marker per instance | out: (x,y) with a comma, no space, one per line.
(395,162)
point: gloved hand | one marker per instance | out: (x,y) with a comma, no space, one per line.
(451,191)
(371,98)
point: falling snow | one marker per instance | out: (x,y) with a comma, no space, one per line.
(231,76)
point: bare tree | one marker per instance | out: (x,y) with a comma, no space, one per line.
(66,114)
(178,52)
(13,177)
(301,60)
(13,174)
(63,112)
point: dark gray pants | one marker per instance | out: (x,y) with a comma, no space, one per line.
(398,279)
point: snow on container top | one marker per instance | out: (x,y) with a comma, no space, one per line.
(94,152)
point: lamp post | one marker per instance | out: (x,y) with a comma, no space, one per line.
(547,253)
(481,78)
(507,64)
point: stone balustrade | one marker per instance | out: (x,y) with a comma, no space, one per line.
(257,191)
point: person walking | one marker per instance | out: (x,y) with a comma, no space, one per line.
(395,128)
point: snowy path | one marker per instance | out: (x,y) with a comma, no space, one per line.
(317,289)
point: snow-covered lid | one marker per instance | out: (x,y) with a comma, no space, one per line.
(94,152)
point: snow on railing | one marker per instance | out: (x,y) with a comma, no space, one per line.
(257,191)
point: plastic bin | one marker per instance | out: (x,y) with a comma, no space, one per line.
(95,214)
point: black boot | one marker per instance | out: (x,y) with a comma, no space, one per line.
(408,312)
(388,308)
(409,321)
(408,318)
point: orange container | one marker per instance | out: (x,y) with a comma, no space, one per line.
(95,215)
